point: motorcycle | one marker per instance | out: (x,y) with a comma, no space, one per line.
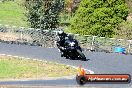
(73,50)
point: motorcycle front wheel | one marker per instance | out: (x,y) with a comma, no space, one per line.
(81,55)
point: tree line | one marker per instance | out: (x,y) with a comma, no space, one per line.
(92,17)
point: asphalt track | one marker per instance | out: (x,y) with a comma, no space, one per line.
(99,62)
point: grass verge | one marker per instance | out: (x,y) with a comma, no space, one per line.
(18,68)
(12,13)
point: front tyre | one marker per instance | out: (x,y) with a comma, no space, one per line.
(81,55)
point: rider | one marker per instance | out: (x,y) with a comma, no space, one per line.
(61,41)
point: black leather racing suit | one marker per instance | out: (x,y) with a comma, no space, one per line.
(60,43)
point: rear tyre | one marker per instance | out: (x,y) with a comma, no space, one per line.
(81,55)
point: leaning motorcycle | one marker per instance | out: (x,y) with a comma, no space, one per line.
(73,50)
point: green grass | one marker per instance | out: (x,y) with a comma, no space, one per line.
(12,13)
(17,68)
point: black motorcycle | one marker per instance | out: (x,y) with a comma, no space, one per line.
(73,50)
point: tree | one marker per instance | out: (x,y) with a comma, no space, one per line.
(43,14)
(34,10)
(51,15)
(98,17)
(129,3)
(125,30)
